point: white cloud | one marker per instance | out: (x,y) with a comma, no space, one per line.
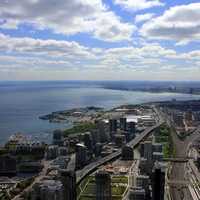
(43,47)
(28,55)
(66,17)
(143,17)
(179,23)
(138,4)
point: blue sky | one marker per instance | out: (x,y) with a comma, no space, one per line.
(99,40)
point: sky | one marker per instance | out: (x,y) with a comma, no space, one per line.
(100,40)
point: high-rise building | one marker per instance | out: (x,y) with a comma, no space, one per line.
(122,123)
(103,132)
(157,156)
(144,168)
(68,179)
(95,133)
(58,138)
(81,155)
(47,190)
(127,153)
(143,181)
(127,135)
(88,141)
(62,151)
(158,182)
(148,150)
(51,152)
(112,127)
(136,193)
(7,165)
(97,149)
(141,149)
(131,129)
(148,156)
(103,186)
(157,147)
(120,140)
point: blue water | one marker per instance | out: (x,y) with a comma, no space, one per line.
(21,103)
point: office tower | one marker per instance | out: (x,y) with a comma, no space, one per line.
(157,156)
(7,165)
(95,133)
(158,182)
(143,181)
(103,132)
(88,141)
(157,147)
(97,149)
(131,129)
(127,153)
(81,155)
(112,127)
(148,150)
(122,123)
(58,138)
(47,190)
(127,135)
(62,151)
(136,193)
(141,149)
(68,179)
(144,168)
(51,152)
(148,155)
(120,140)
(103,186)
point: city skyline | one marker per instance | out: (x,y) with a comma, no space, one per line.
(99,40)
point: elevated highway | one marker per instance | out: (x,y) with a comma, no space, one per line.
(177,159)
(81,174)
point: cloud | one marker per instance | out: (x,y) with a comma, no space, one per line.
(43,47)
(35,56)
(179,23)
(143,17)
(66,17)
(135,5)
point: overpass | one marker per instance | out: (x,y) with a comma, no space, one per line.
(177,159)
(177,183)
(81,174)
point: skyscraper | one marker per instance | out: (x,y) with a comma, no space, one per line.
(127,153)
(88,141)
(58,137)
(68,179)
(122,123)
(131,129)
(103,186)
(81,155)
(112,127)
(158,182)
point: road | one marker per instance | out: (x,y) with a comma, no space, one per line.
(41,175)
(80,174)
(178,170)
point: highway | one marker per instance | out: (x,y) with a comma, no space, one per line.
(81,174)
(178,174)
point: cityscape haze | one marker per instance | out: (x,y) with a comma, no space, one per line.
(99,100)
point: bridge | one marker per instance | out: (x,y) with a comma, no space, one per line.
(88,169)
(177,183)
(177,159)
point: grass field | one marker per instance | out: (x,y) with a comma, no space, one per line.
(88,188)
